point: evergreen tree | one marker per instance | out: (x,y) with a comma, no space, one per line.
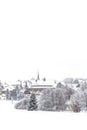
(7,94)
(32,103)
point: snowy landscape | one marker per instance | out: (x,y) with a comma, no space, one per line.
(13,119)
(68,95)
(43,65)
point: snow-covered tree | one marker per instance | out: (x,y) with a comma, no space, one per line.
(75,81)
(52,100)
(45,101)
(66,90)
(68,80)
(84,87)
(7,94)
(14,94)
(59,99)
(78,101)
(32,103)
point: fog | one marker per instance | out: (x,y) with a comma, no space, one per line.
(45,36)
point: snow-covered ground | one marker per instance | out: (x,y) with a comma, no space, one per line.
(12,119)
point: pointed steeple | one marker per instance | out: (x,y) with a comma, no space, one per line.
(38,77)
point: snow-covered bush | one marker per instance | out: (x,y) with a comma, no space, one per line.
(22,104)
(75,106)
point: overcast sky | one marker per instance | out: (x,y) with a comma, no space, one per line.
(49,36)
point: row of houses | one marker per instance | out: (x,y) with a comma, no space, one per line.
(37,85)
(27,86)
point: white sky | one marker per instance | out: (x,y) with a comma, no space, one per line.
(49,36)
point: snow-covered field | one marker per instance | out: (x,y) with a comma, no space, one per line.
(12,119)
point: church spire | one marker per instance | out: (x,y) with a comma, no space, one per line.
(38,77)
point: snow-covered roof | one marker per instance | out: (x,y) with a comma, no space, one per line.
(42,84)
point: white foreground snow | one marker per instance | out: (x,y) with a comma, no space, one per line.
(12,119)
